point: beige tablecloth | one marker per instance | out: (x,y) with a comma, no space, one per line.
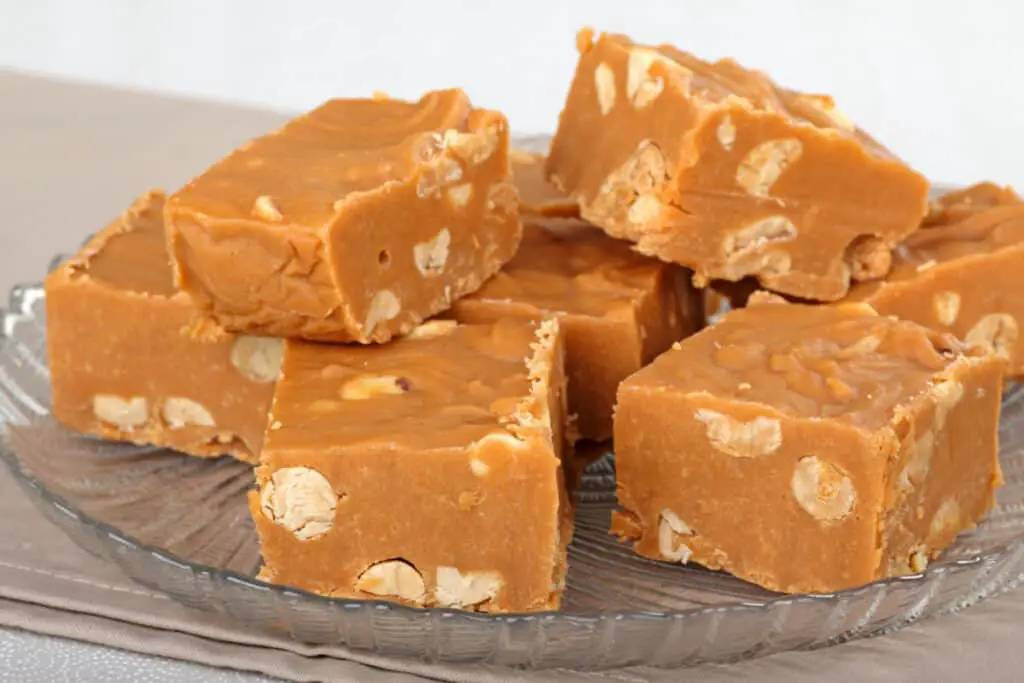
(71,157)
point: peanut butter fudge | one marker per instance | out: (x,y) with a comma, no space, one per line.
(962,272)
(353,222)
(715,167)
(808,448)
(426,471)
(127,360)
(536,194)
(619,309)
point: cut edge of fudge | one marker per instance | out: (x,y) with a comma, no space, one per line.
(331,276)
(164,421)
(535,426)
(888,487)
(654,195)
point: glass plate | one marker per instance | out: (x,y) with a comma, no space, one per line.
(181,525)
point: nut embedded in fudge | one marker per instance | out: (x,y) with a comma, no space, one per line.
(715,167)
(127,360)
(619,309)
(425,471)
(807,448)
(962,272)
(353,222)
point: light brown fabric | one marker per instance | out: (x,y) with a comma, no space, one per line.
(72,157)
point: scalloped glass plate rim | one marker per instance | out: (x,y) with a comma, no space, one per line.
(16,310)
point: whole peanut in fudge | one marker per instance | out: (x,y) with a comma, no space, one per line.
(619,309)
(536,194)
(353,222)
(127,360)
(962,272)
(426,471)
(715,167)
(807,448)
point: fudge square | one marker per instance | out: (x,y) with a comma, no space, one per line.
(962,272)
(353,222)
(717,168)
(807,448)
(618,309)
(426,471)
(128,361)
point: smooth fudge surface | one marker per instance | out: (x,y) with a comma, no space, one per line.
(716,167)
(353,222)
(536,193)
(807,448)
(426,471)
(962,272)
(128,361)
(618,309)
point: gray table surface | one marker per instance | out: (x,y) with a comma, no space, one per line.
(72,156)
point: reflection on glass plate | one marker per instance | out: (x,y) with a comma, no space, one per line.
(180,525)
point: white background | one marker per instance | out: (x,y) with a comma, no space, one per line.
(937,81)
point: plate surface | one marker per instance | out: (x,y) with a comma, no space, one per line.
(180,525)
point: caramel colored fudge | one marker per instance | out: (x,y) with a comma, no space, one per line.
(808,448)
(128,362)
(536,194)
(426,471)
(619,309)
(962,272)
(715,167)
(353,222)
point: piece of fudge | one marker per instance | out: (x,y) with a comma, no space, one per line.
(536,194)
(353,222)
(807,448)
(425,471)
(715,167)
(962,272)
(619,309)
(128,360)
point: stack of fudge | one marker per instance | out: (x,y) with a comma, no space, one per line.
(409,326)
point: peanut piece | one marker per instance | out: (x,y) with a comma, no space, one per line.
(947,307)
(822,489)
(301,500)
(372,386)
(641,88)
(469,589)
(383,307)
(765,163)
(433,328)
(431,256)
(670,528)
(646,209)
(124,413)
(395,579)
(604,85)
(995,333)
(726,133)
(266,208)
(869,258)
(758,437)
(475,148)
(767,231)
(181,412)
(258,358)
(460,195)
